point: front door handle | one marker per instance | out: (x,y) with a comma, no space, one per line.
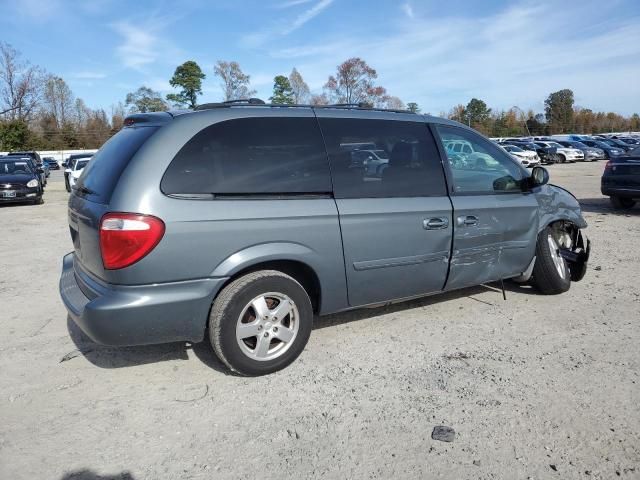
(435,223)
(467,220)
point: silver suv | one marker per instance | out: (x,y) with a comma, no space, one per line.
(240,222)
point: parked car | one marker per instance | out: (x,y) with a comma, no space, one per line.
(591,154)
(618,144)
(75,173)
(562,154)
(243,222)
(621,180)
(526,157)
(69,167)
(19,182)
(36,163)
(45,167)
(609,151)
(53,164)
(545,154)
(374,161)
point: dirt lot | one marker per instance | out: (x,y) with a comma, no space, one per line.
(535,387)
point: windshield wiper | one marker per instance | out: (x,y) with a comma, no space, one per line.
(85,190)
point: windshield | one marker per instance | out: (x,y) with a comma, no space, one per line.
(14,167)
(578,144)
(554,144)
(512,148)
(381,154)
(81,164)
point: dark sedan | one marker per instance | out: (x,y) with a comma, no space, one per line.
(609,151)
(53,164)
(621,180)
(18,181)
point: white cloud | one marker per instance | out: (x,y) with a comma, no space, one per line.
(408,10)
(88,75)
(292,3)
(144,43)
(307,16)
(139,46)
(256,39)
(507,58)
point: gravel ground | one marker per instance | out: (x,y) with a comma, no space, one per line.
(534,387)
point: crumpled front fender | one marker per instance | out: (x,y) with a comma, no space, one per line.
(556,203)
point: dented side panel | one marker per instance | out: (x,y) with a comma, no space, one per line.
(499,245)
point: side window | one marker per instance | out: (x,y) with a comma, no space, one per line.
(267,155)
(382,158)
(480,167)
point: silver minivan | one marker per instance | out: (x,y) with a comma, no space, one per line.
(241,221)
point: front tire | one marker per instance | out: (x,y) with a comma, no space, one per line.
(551,274)
(260,322)
(66,184)
(622,203)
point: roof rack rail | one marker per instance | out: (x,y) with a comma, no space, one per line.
(229,103)
(256,102)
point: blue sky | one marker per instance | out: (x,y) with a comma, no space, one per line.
(432,52)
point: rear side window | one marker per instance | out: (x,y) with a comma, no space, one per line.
(104,169)
(245,156)
(382,158)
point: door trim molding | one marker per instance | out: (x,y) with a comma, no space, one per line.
(400,261)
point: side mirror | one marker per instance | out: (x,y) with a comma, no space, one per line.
(539,176)
(40,170)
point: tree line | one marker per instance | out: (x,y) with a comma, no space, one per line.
(38,110)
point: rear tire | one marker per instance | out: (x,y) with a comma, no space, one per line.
(66,184)
(244,328)
(622,203)
(551,274)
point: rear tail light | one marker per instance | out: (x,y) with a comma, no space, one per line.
(126,238)
(608,165)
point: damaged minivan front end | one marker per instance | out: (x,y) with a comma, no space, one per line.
(561,212)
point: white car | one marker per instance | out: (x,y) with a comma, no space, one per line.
(76,171)
(563,154)
(526,157)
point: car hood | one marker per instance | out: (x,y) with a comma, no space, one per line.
(525,154)
(16,179)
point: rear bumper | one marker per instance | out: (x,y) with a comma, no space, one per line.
(122,315)
(613,191)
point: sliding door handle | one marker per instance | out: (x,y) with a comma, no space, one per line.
(435,223)
(466,220)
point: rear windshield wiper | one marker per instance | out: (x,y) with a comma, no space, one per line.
(85,190)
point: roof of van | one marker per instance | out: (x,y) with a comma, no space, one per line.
(160,118)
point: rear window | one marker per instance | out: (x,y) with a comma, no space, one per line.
(101,175)
(247,156)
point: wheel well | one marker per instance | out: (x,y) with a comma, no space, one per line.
(301,272)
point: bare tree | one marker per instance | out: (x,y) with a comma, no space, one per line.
(235,83)
(391,102)
(354,83)
(82,112)
(20,84)
(321,99)
(301,93)
(118,113)
(58,99)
